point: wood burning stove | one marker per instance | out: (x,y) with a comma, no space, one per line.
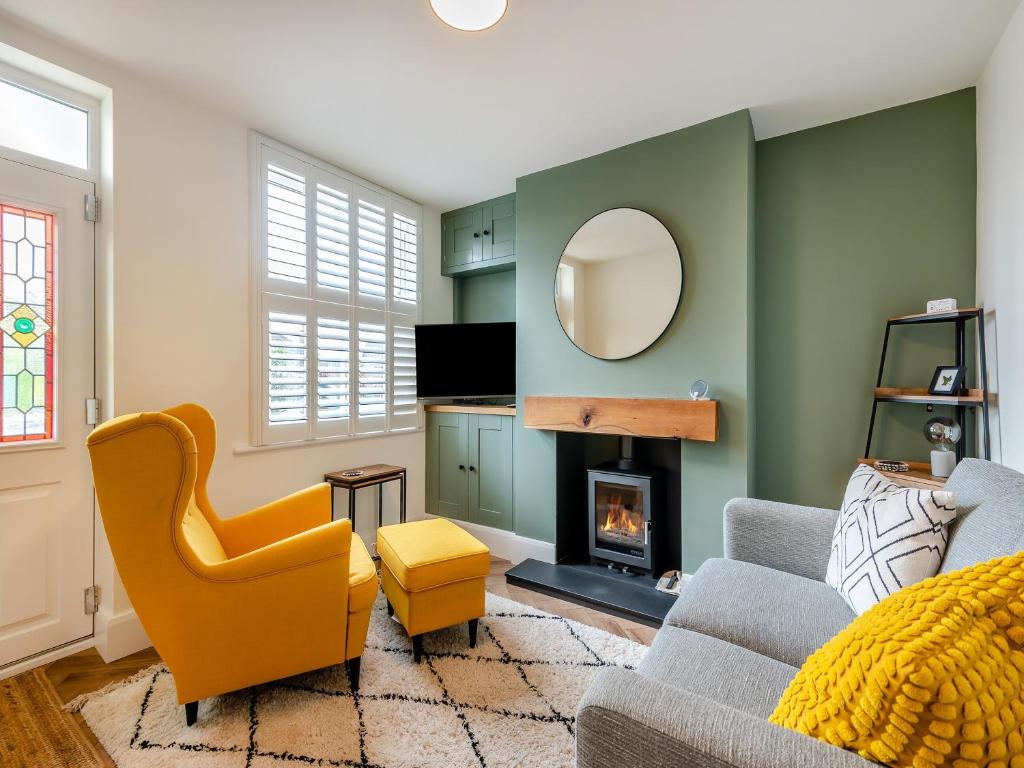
(624,503)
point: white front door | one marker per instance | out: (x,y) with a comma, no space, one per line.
(46,362)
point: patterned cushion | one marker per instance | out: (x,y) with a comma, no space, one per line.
(933,675)
(887,537)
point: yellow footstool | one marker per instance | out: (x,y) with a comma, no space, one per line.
(432,573)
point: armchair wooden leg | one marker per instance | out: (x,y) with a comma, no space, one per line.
(472,632)
(417,648)
(353,672)
(391,608)
(191,713)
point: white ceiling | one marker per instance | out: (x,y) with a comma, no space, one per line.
(383,89)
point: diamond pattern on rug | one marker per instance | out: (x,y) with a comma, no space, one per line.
(510,701)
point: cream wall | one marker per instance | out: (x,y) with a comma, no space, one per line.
(173,253)
(1001,234)
(641,283)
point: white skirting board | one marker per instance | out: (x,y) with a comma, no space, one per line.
(119,636)
(46,657)
(507,545)
(115,637)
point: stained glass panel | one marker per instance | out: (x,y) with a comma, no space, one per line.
(26,324)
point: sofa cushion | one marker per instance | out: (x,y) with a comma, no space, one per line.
(888,537)
(362,577)
(770,612)
(200,535)
(990,517)
(930,676)
(717,670)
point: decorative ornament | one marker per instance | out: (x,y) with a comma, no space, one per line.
(944,433)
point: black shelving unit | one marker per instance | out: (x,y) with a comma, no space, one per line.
(972,398)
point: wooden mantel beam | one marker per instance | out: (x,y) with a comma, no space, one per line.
(634,416)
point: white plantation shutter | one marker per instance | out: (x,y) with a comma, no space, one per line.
(404,260)
(332,239)
(333,376)
(286,225)
(338,295)
(372,376)
(404,409)
(286,375)
(372,240)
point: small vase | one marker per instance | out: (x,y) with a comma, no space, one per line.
(943,463)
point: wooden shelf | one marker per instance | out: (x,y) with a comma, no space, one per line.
(919,476)
(631,416)
(489,410)
(921,395)
(936,317)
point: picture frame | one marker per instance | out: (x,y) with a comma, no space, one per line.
(947,380)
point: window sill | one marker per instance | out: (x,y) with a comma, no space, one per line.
(245,450)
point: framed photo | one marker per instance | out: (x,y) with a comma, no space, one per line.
(947,380)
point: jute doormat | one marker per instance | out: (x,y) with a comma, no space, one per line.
(35,731)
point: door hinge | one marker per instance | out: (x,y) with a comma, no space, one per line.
(92,600)
(92,208)
(92,411)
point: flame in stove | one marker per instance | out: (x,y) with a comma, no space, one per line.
(620,519)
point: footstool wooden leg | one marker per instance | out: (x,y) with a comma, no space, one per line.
(417,648)
(353,672)
(472,633)
(391,608)
(191,712)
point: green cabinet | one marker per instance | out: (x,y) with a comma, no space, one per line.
(469,468)
(463,245)
(447,460)
(479,238)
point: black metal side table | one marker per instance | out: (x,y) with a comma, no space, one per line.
(365,477)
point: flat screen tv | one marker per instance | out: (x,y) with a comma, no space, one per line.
(466,360)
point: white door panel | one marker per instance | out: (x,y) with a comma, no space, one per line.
(46,364)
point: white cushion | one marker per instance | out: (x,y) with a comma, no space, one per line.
(887,537)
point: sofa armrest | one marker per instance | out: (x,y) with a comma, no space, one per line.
(626,719)
(280,519)
(331,541)
(786,537)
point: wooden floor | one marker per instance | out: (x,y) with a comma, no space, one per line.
(86,671)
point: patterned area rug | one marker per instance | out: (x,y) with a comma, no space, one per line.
(511,701)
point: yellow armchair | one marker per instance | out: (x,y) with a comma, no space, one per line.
(232,602)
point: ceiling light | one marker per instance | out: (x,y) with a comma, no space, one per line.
(469,15)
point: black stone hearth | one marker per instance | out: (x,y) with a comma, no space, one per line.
(578,577)
(631,597)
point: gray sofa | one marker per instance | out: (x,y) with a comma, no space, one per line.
(744,624)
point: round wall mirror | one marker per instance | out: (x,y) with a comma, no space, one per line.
(618,283)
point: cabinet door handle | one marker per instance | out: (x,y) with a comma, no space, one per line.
(487,232)
(472,469)
(476,234)
(462,467)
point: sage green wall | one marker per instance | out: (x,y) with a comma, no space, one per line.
(485,298)
(698,182)
(855,221)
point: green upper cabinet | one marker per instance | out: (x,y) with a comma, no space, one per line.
(499,232)
(463,242)
(479,238)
